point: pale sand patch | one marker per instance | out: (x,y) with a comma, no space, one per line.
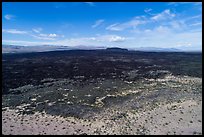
(40,123)
(176,118)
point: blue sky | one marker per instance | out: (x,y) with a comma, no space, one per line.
(122,24)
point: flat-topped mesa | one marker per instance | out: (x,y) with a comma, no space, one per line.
(116,49)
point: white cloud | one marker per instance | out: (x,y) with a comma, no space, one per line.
(195,17)
(162,29)
(37,34)
(100,40)
(9,17)
(177,24)
(130,24)
(92,38)
(117,39)
(147,10)
(43,37)
(166,14)
(165,18)
(49,35)
(90,3)
(196,24)
(158,30)
(52,35)
(37,30)
(180,44)
(114,27)
(14,31)
(46,36)
(97,23)
(108,38)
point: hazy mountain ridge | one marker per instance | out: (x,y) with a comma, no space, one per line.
(23,49)
(44,48)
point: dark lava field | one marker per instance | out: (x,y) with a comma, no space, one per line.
(81,66)
(73,82)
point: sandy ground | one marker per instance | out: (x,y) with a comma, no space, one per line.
(175,118)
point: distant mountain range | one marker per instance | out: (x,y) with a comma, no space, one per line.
(44,48)
(155,49)
(22,49)
(116,49)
